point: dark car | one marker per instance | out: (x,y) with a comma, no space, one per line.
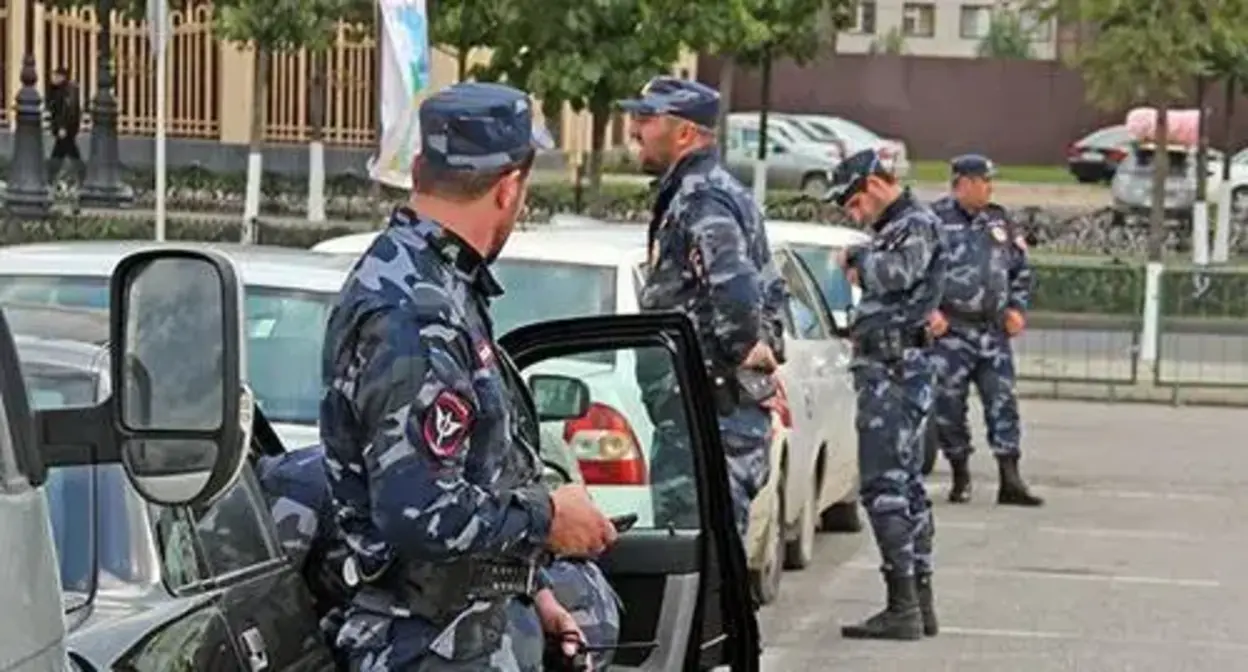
(1095,156)
(152,587)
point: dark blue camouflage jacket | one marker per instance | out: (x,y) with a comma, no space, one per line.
(709,257)
(988,270)
(902,270)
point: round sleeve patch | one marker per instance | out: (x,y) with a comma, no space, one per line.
(447,423)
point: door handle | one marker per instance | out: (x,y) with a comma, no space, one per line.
(254,647)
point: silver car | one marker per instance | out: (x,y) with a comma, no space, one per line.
(791,162)
(1132,186)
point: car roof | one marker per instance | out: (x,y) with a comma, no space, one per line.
(259,265)
(585,240)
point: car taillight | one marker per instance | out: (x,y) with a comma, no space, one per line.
(1115,155)
(606,447)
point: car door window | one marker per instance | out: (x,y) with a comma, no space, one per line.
(229,537)
(829,277)
(643,432)
(808,315)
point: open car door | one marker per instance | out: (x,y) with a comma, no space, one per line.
(680,570)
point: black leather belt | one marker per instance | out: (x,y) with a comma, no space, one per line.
(891,344)
(441,591)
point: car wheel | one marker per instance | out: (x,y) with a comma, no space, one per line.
(815,185)
(841,517)
(799,553)
(1084,178)
(766,581)
(931,448)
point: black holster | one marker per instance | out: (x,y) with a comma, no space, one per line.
(890,344)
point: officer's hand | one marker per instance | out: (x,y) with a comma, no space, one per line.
(578,528)
(557,621)
(851,275)
(1014,322)
(937,323)
(842,258)
(761,357)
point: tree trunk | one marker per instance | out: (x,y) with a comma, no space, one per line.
(255,145)
(600,119)
(316,148)
(461,63)
(1161,168)
(1200,208)
(727,77)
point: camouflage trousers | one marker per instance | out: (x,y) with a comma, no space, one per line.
(983,357)
(485,638)
(894,405)
(747,450)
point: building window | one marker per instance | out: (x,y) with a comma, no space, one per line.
(1037,28)
(974,21)
(864,18)
(918,19)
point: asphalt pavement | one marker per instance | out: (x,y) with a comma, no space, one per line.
(1135,564)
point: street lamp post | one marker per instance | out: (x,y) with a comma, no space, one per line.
(103,186)
(27,195)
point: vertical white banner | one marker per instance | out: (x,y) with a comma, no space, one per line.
(405,73)
(160,26)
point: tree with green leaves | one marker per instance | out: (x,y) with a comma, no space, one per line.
(585,54)
(464,25)
(1144,53)
(1007,37)
(268,27)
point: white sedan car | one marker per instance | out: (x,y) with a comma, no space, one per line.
(586,267)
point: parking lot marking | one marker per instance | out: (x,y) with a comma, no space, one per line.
(1080,637)
(1122,534)
(1061,575)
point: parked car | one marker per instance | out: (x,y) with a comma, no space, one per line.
(182,601)
(819,247)
(581,266)
(851,137)
(1095,156)
(1132,185)
(791,164)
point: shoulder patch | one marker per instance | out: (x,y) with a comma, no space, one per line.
(998,233)
(447,424)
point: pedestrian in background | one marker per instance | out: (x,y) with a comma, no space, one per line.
(984,306)
(709,257)
(430,445)
(64,107)
(902,275)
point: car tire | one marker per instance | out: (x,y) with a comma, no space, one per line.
(765,582)
(1087,179)
(815,185)
(799,553)
(931,449)
(841,517)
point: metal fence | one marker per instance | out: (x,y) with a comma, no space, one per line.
(1126,324)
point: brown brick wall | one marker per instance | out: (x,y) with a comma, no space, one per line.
(1016,111)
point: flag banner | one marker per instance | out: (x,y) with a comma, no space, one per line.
(405,73)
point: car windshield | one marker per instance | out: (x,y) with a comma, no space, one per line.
(1111,135)
(822,262)
(855,134)
(536,290)
(812,132)
(285,330)
(749,135)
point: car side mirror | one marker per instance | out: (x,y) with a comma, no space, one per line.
(559,397)
(779,149)
(181,413)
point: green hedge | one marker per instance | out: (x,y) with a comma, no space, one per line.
(1217,293)
(352,196)
(1090,289)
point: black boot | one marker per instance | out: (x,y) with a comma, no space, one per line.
(900,620)
(1013,491)
(960,491)
(927,605)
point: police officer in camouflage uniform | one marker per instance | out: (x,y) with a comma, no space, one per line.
(297,489)
(709,258)
(430,443)
(985,301)
(902,276)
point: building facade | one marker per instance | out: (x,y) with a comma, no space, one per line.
(940,28)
